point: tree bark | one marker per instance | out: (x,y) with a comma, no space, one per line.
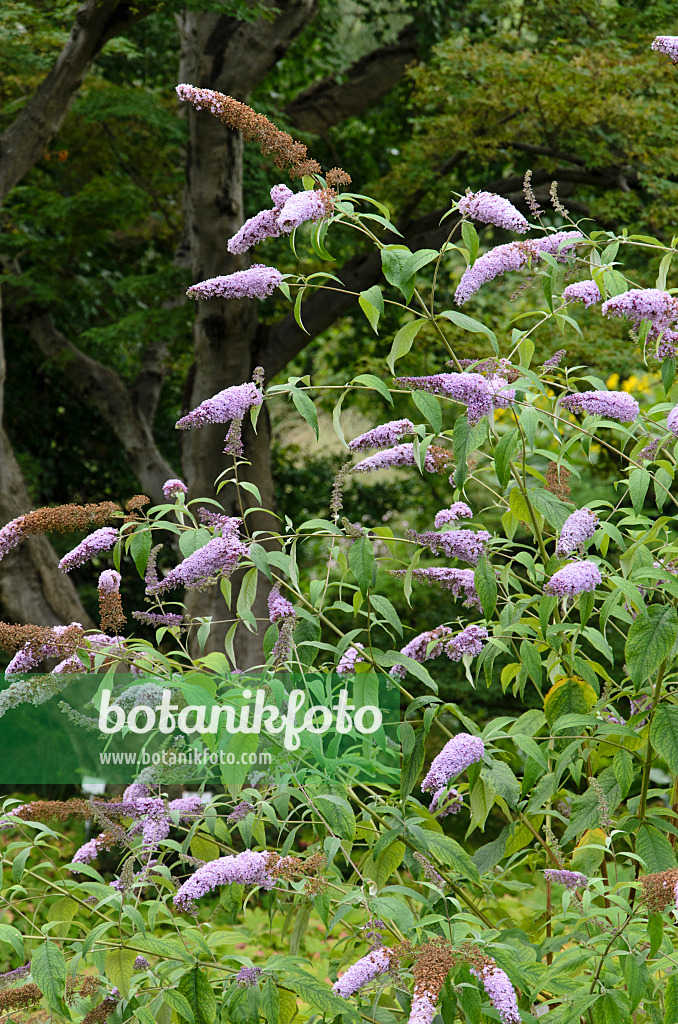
(328,102)
(32,588)
(232,57)
(103,390)
(23,143)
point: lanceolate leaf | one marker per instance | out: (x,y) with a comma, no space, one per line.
(650,640)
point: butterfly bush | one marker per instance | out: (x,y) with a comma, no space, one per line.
(504,856)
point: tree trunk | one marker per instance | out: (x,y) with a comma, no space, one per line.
(232,57)
(32,588)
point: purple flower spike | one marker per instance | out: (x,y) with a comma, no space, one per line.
(458,510)
(614,405)
(256,282)
(173,487)
(667,45)
(382,437)
(246,868)
(247,977)
(219,555)
(278,606)
(577,529)
(457,755)
(582,291)
(513,256)
(349,658)
(570,879)
(672,421)
(500,991)
(97,542)
(492,209)
(230,404)
(575,578)
(363,971)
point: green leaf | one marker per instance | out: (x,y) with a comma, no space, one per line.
(639,482)
(361,562)
(196,989)
(664,735)
(374,384)
(413,757)
(371,302)
(530,658)
(297,309)
(668,373)
(12,935)
(448,852)
(671,989)
(655,849)
(402,343)
(247,592)
(140,548)
(499,776)
(120,968)
(486,586)
(650,640)
(320,996)
(306,408)
(179,1003)
(636,976)
(471,240)
(655,931)
(416,261)
(387,611)
(554,511)
(388,861)
(568,697)
(463,441)
(503,454)
(467,323)
(338,814)
(270,1001)
(622,765)
(48,969)
(429,406)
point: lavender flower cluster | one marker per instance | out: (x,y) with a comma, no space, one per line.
(582,291)
(667,45)
(471,641)
(658,307)
(501,992)
(350,658)
(171,488)
(289,211)
(383,436)
(458,581)
(246,868)
(576,531)
(457,510)
(614,405)
(230,404)
(96,544)
(478,393)
(446,801)
(457,755)
(278,606)
(492,209)
(219,556)
(513,256)
(466,545)
(257,282)
(573,579)
(363,971)
(570,879)
(390,458)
